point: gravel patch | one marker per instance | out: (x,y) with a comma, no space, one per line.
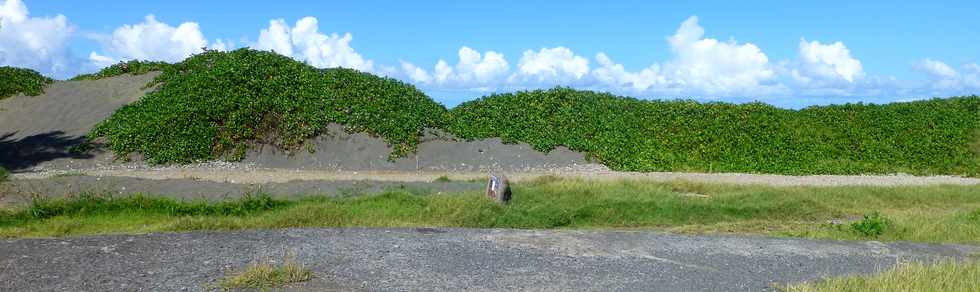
(433,259)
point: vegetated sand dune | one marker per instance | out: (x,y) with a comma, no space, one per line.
(38,133)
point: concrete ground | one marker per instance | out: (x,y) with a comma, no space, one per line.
(448,260)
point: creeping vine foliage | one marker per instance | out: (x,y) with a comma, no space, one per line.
(20,80)
(216,104)
(922,137)
(135,67)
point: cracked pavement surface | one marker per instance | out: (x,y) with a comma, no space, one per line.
(449,259)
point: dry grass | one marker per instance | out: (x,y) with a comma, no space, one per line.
(947,276)
(266,274)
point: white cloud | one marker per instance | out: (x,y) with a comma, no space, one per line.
(415,73)
(699,66)
(972,75)
(39,43)
(155,41)
(305,42)
(100,61)
(824,65)
(713,67)
(945,77)
(276,38)
(614,75)
(474,70)
(551,65)
(937,69)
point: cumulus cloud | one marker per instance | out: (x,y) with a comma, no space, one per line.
(305,42)
(937,69)
(155,41)
(698,66)
(551,65)
(945,77)
(714,67)
(473,70)
(39,43)
(415,73)
(826,64)
(615,75)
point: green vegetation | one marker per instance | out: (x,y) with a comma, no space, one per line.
(922,137)
(931,214)
(268,275)
(949,276)
(872,226)
(215,104)
(19,80)
(135,67)
(3,174)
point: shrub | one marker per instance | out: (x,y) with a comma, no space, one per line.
(923,137)
(216,104)
(20,80)
(873,225)
(136,67)
(3,174)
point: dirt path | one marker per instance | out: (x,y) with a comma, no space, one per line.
(448,260)
(243,174)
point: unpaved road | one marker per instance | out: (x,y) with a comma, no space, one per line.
(245,174)
(448,259)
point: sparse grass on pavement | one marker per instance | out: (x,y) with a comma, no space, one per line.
(922,213)
(266,274)
(948,276)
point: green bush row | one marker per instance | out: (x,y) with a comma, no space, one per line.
(20,80)
(215,104)
(922,137)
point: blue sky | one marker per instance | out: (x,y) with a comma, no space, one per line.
(791,54)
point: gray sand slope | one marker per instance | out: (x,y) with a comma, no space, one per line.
(448,260)
(39,130)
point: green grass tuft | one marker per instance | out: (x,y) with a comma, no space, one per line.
(873,225)
(948,275)
(268,275)
(20,80)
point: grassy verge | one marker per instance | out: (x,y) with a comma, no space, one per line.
(931,214)
(944,276)
(268,275)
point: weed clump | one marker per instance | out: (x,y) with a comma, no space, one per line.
(268,275)
(873,225)
(20,80)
